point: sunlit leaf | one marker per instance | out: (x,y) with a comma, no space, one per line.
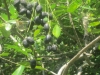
(56,31)
(19,70)
(37,32)
(74,5)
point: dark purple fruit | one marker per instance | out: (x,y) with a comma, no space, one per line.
(48,38)
(28,14)
(29,6)
(30,40)
(22,11)
(43,15)
(50,16)
(37,20)
(16,3)
(46,27)
(35,4)
(54,47)
(25,43)
(33,63)
(49,48)
(23,2)
(39,9)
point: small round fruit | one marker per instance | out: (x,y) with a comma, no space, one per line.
(46,27)
(37,20)
(48,38)
(23,2)
(35,4)
(28,14)
(49,48)
(30,40)
(43,15)
(16,3)
(39,9)
(22,11)
(33,63)
(54,47)
(25,43)
(29,6)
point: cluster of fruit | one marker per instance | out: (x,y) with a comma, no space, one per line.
(28,41)
(25,8)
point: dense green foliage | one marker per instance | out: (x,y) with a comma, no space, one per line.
(39,36)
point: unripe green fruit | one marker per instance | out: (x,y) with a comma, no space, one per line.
(33,63)
(30,40)
(22,11)
(39,9)
(25,43)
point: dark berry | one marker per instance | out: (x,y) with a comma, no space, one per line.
(39,9)
(54,47)
(16,3)
(23,2)
(22,11)
(30,40)
(33,63)
(37,20)
(48,38)
(50,16)
(29,6)
(49,48)
(28,14)
(25,43)
(35,4)
(43,15)
(46,27)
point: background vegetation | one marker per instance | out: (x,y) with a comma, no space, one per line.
(63,47)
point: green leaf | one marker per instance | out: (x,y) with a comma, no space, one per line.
(39,67)
(56,31)
(19,70)
(94,23)
(6,33)
(8,26)
(37,32)
(74,5)
(4,54)
(97,31)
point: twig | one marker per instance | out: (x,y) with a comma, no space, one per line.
(63,70)
(2,19)
(9,61)
(71,21)
(7,9)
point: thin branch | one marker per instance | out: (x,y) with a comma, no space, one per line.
(2,19)
(7,8)
(63,70)
(71,21)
